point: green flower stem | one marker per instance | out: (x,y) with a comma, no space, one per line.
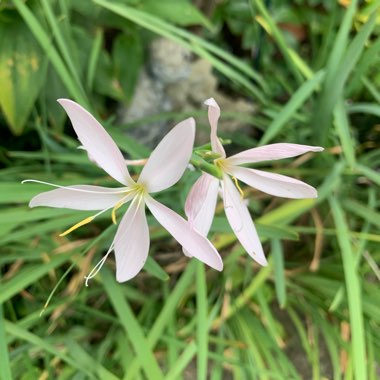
(199,163)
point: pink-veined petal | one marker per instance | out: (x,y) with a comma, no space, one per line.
(274,184)
(241,222)
(271,152)
(201,202)
(170,158)
(193,242)
(79,197)
(97,142)
(213,117)
(131,244)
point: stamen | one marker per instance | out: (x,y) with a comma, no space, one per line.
(98,266)
(117,206)
(238,187)
(80,224)
(121,191)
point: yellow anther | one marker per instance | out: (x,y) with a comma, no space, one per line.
(113,214)
(238,187)
(80,224)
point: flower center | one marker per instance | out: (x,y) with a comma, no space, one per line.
(221,164)
(136,190)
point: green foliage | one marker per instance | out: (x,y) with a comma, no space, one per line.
(22,71)
(311,68)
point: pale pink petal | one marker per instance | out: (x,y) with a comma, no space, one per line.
(169,160)
(131,242)
(79,197)
(193,242)
(213,117)
(274,184)
(98,143)
(241,222)
(271,152)
(201,202)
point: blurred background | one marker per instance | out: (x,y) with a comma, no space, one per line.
(306,72)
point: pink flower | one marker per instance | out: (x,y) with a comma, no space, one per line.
(163,169)
(201,201)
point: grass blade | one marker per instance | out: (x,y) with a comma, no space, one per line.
(42,344)
(41,36)
(371,174)
(279,272)
(5,367)
(182,362)
(197,45)
(28,276)
(132,327)
(296,64)
(368,108)
(166,313)
(336,76)
(353,289)
(290,108)
(202,323)
(342,127)
(65,50)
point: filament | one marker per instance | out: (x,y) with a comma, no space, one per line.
(98,266)
(119,191)
(91,218)
(116,207)
(238,187)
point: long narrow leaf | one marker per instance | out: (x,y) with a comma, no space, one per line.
(5,367)
(46,44)
(343,129)
(353,289)
(131,326)
(164,318)
(296,101)
(186,39)
(202,325)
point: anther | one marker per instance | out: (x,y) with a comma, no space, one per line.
(80,224)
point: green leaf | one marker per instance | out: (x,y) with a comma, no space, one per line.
(363,211)
(202,325)
(338,71)
(43,345)
(294,61)
(105,81)
(152,267)
(297,100)
(15,192)
(180,12)
(165,316)
(133,329)
(366,108)
(224,62)
(5,368)
(353,289)
(28,275)
(35,27)
(371,174)
(279,272)
(22,72)
(342,126)
(127,55)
